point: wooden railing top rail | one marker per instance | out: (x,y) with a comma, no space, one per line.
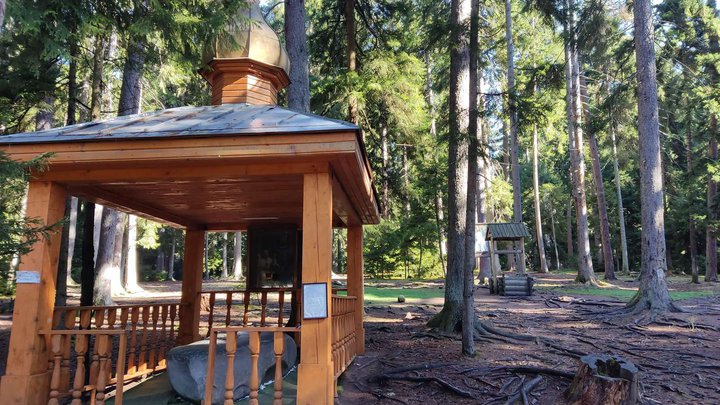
(345,297)
(104,307)
(256,329)
(251,290)
(85,332)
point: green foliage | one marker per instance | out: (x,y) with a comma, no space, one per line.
(17,232)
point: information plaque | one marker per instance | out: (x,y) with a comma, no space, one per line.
(314,297)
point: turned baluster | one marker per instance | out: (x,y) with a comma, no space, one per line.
(211,314)
(173,314)
(230,347)
(81,344)
(57,318)
(281,301)
(111,317)
(124,314)
(153,337)
(67,349)
(263,307)
(278,345)
(254,378)
(210,373)
(132,356)
(56,348)
(228,307)
(142,356)
(246,305)
(101,347)
(163,344)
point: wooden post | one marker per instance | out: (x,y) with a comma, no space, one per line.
(191,285)
(315,373)
(355,281)
(27,379)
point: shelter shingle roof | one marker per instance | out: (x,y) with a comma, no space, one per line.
(226,119)
(507,231)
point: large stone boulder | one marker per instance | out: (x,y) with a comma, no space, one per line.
(187,366)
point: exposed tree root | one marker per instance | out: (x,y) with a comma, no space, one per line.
(452,388)
(524,390)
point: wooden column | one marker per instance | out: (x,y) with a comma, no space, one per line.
(315,373)
(27,379)
(355,281)
(191,285)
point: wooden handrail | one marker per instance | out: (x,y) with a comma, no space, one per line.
(254,347)
(101,370)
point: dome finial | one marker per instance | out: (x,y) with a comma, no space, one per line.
(249,64)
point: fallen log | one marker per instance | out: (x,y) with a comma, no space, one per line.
(604,380)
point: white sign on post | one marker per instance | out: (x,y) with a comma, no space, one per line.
(315,305)
(27,277)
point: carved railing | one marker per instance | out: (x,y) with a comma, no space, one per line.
(94,380)
(262,307)
(343,332)
(231,334)
(150,330)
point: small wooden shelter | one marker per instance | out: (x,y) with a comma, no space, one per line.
(512,232)
(239,163)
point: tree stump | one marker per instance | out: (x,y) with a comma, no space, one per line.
(605,380)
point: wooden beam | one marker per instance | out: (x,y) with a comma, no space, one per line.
(26,381)
(128,204)
(102,174)
(191,286)
(315,372)
(342,206)
(355,282)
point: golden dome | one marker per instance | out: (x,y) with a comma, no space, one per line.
(248,36)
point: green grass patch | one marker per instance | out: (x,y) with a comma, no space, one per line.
(622,294)
(379,295)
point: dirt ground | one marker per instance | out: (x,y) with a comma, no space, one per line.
(679,356)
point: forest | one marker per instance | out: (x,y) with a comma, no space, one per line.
(592,122)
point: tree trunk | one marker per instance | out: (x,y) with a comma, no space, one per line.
(607,255)
(44,116)
(569,234)
(97,73)
(468,324)
(385,175)
(131,90)
(577,158)
(439,215)
(206,255)
(695,271)
(171,259)
(449,318)
(298,92)
(485,262)
(97,222)
(131,274)
(536,192)
(621,210)
(512,110)
(349,12)
(2,14)
(653,293)
(711,259)
(554,238)
(72,230)
(107,267)
(603,379)
(72,84)
(160,260)
(87,273)
(237,257)
(224,274)
(63,270)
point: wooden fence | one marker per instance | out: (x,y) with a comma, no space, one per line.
(262,307)
(93,379)
(150,330)
(254,346)
(343,332)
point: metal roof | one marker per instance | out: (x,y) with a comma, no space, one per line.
(507,231)
(225,119)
